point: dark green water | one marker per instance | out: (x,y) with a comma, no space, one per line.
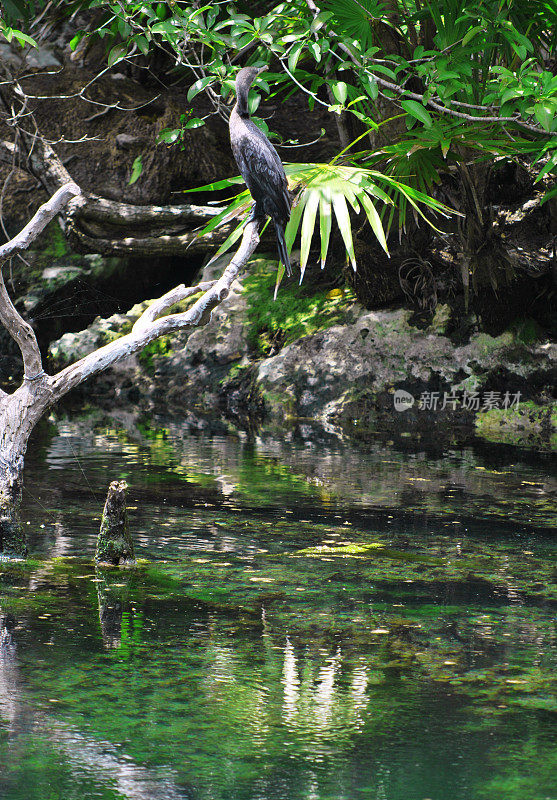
(309,619)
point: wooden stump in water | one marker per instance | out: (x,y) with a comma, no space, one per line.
(114,544)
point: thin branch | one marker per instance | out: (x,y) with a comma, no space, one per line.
(393,87)
(171,298)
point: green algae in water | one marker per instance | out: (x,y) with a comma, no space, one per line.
(260,654)
(328,693)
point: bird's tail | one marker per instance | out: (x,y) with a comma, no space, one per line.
(282,249)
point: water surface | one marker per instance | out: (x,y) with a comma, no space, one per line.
(309,618)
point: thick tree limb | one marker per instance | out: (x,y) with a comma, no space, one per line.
(146,329)
(41,161)
(128,215)
(20,330)
(163,245)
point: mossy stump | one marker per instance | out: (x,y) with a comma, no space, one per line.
(114,544)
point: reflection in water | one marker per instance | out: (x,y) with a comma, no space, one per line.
(295,630)
(238,709)
(101,760)
(113,597)
(9,690)
(291,684)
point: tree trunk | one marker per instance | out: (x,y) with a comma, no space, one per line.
(19,413)
(12,537)
(114,544)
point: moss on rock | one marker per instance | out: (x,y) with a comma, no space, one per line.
(527,424)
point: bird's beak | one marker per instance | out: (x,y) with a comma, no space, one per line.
(264,68)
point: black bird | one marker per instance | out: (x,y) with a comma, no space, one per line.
(259,164)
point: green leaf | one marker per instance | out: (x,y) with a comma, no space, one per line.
(117,54)
(470,35)
(23,39)
(280,275)
(371,86)
(238,206)
(195,122)
(253,102)
(308,226)
(137,169)
(340,91)
(199,86)
(418,111)
(168,135)
(325,223)
(76,40)
(294,222)
(343,221)
(228,242)
(142,44)
(216,185)
(544,116)
(316,50)
(375,221)
(549,195)
(294,55)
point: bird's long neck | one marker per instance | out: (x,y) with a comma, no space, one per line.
(242,101)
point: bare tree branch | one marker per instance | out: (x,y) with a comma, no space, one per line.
(20,330)
(148,328)
(39,222)
(126,215)
(163,245)
(171,298)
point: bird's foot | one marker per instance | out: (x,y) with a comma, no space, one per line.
(254,214)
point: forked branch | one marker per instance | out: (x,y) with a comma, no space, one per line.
(148,327)
(20,330)
(151,325)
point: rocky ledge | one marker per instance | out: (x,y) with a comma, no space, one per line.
(354,368)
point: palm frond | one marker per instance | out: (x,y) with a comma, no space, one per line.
(354,17)
(330,190)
